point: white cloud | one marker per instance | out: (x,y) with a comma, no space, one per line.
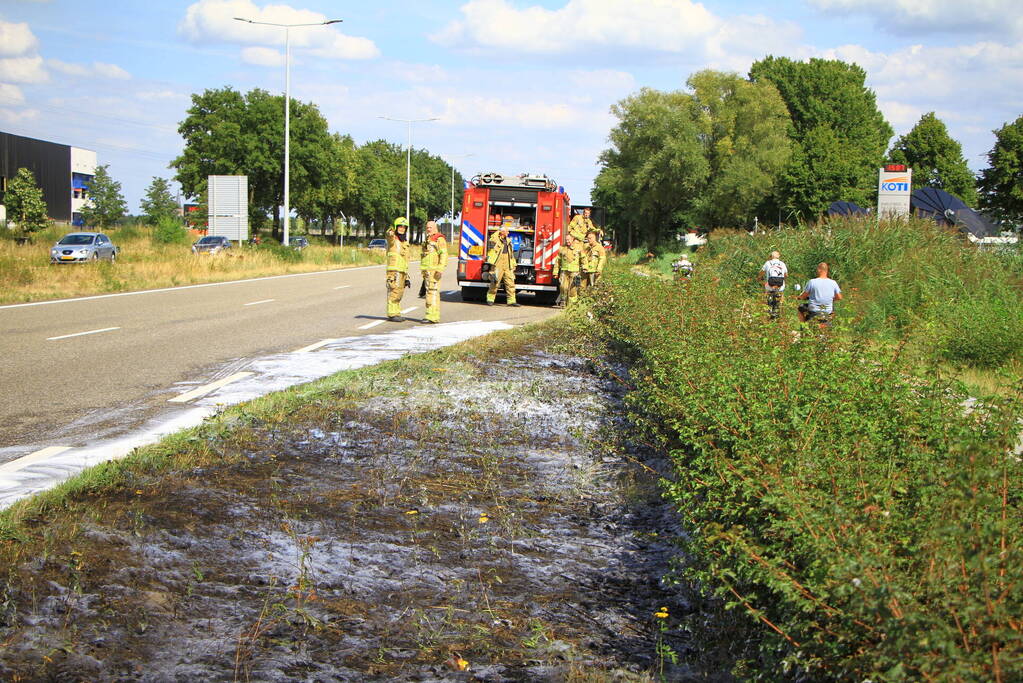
(580,26)
(161,95)
(16,39)
(211,20)
(262,56)
(595,28)
(11,95)
(999,17)
(96,69)
(602,81)
(23,70)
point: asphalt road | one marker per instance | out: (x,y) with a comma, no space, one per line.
(79,369)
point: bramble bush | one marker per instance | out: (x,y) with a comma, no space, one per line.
(846,502)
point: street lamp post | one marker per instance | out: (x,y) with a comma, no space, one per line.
(451,222)
(408,161)
(287,108)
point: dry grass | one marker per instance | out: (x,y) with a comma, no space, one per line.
(26,273)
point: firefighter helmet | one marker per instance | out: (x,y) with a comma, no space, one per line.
(400,220)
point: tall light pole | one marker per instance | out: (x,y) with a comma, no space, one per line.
(287,107)
(408,161)
(451,223)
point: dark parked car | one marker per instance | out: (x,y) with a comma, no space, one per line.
(212,244)
(298,243)
(78,247)
(377,244)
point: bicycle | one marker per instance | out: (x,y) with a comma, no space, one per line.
(773,302)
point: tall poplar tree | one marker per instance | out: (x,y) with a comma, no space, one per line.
(830,105)
(1001,184)
(936,159)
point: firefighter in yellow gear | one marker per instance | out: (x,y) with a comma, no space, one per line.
(435,257)
(580,225)
(594,257)
(568,269)
(397,267)
(501,270)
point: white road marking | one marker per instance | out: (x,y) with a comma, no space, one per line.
(207,388)
(80,334)
(174,289)
(409,310)
(256,303)
(25,461)
(452,291)
(343,287)
(313,347)
(372,324)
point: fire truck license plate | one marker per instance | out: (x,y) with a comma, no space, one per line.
(476,250)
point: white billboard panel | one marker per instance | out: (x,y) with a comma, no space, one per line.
(229,206)
(894,187)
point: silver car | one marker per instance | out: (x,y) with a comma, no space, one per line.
(377,244)
(78,247)
(212,244)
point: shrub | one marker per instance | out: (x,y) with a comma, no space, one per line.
(170,231)
(846,502)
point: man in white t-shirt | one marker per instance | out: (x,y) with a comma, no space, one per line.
(820,295)
(773,273)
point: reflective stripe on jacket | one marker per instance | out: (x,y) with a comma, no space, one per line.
(397,252)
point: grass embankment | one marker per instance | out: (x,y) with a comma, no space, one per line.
(836,489)
(145,263)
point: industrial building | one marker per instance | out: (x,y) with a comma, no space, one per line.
(62,172)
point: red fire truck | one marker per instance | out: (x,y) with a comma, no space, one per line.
(536,211)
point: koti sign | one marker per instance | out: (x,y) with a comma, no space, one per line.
(894,186)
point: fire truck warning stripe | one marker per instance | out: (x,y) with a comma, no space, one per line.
(471,236)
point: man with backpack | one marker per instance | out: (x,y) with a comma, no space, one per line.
(773,274)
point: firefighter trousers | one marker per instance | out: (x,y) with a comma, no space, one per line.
(432,281)
(395,290)
(589,280)
(506,277)
(568,289)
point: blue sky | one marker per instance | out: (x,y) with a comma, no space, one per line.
(521,85)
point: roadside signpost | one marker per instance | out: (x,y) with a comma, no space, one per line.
(229,206)
(894,187)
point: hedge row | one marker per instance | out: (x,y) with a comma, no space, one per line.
(848,503)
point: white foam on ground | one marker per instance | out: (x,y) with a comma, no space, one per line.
(270,374)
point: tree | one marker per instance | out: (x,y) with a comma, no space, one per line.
(159,203)
(24,201)
(227,133)
(1001,184)
(747,146)
(829,103)
(936,159)
(710,157)
(655,166)
(106,204)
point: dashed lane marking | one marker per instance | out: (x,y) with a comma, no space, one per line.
(372,324)
(207,388)
(313,347)
(409,309)
(256,303)
(82,334)
(343,287)
(25,461)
